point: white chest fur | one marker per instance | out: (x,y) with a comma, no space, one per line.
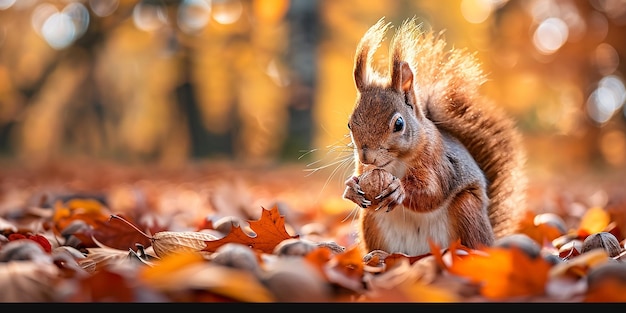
(409,231)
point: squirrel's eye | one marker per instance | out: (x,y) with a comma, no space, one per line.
(349,126)
(398,125)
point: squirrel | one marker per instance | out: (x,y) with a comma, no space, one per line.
(455,161)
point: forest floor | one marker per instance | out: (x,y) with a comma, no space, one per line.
(217,231)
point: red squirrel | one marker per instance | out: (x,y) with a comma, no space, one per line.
(450,164)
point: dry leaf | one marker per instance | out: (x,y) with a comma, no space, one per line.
(168,242)
(346,269)
(270,231)
(539,232)
(25,281)
(595,220)
(190,271)
(503,273)
(579,266)
(607,283)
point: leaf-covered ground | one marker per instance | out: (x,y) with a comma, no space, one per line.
(217,232)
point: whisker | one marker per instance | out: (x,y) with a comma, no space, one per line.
(321,167)
(354,213)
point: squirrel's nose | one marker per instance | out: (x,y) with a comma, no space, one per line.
(367,156)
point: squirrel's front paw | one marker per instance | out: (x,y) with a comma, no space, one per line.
(354,193)
(391,196)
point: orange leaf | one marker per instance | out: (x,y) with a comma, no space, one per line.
(436,252)
(270,231)
(351,262)
(503,272)
(346,269)
(190,271)
(595,220)
(89,211)
(540,233)
(610,290)
(318,258)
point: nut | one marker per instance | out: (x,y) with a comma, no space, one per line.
(604,240)
(374,182)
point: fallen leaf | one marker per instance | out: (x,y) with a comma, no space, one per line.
(188,271)
(97,288)
(27,281)
(269,229)
(540,233)
(346,269)
(168,242)
(595,220)
(607,283)
(503,273)
(579,265)
(116,234)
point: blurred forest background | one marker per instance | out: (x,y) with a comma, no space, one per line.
(266,81)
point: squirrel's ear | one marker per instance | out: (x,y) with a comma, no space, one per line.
(360,70)
(402,76)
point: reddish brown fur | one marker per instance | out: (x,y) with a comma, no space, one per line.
(444,88)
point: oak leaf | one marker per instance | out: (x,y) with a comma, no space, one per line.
(269,229)
(503,272)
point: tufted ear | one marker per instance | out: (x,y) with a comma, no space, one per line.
(360,70)
(365,51)
(401,76)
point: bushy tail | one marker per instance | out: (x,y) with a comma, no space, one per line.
(447,83)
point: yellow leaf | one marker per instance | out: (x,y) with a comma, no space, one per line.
(85,205)
(420,292)
(595,220)
(189,271)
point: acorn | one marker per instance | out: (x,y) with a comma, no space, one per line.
(604,240)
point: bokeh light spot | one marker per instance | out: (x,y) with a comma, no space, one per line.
(550,35)
(606,99)
(40,14)
(606,58)
(79,15)
(613,147)
(149,17)
(59,30)
(476,11)
(227,11)
(103,8)
(5,4)
(193,15)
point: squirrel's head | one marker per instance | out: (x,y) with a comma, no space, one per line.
(387,121)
